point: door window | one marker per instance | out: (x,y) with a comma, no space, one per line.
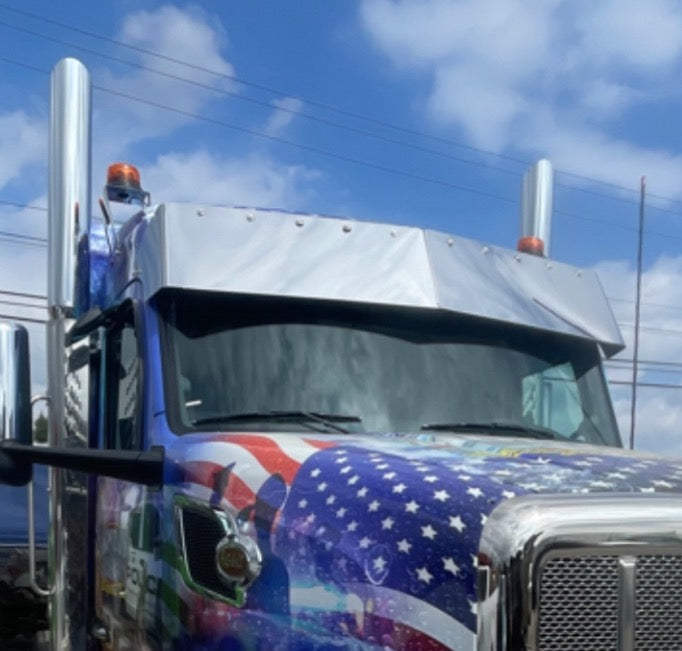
(123,388)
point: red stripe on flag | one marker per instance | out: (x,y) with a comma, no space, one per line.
(321,445)
(269,454)
(204,472)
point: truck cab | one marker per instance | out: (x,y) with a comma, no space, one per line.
(296,431)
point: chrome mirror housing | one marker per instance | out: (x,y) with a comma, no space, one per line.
(15,400)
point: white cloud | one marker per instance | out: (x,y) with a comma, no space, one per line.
(188,35)
(659,410)
(604,98)
(661,320)
(594,154)
(23,268)
(23,142)
(457,88)
(509,35)
(626,33)
(547,78)
(284,113)
(658,424)
(254,180)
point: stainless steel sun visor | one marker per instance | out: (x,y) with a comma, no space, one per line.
(267,252)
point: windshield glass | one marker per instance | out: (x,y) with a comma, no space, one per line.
(269,364)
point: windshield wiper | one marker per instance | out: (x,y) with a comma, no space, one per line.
(328,421)
(495,427)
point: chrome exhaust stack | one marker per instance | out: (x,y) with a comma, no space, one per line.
(536,209)
(69,188)
(68,285)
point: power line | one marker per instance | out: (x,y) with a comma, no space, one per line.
(646,362)
(322,152)
(661,371)
(328,107)
(316,150)
(257,86)
(309,148)
(655,385)
(22,318)
(268,105)
(284,141)
(32,238)
(41,297)
(663,331)
(7,240)
(28,206)
(20,304)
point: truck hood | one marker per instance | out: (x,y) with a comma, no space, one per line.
(393,519)
(503,466)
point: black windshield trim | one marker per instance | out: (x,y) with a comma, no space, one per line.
(411,324)
(496,428)
(328,421)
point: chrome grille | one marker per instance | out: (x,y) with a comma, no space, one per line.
(201,529)
(658,610)
(579,599)
(579,604)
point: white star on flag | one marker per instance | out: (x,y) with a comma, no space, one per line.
(428,532)
(441,495)
(424,575)
(449,565)
(404,546)
(456,523)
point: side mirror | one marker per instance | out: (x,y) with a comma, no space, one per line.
(15,401)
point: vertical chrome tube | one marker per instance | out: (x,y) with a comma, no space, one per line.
(69,183)
(69,210)
(536,202)
(32,545)
(627,572)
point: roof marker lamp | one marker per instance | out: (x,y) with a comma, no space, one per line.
(532,245)
(124,186)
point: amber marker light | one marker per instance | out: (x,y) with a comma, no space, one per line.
(533,245)
(124,184)
(123,174)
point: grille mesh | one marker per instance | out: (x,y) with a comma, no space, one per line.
(203,531)
(658,611)
(578,604)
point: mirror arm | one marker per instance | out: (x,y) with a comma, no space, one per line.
(139,467)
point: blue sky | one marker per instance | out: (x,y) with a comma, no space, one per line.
(418,112)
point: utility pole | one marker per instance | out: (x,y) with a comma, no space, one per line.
(635,350)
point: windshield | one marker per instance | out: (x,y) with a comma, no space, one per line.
(271,364)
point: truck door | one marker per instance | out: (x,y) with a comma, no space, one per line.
(80,426)
(126,556)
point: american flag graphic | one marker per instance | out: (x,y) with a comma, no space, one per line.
(378,537)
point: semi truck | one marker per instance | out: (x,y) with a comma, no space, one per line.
(272,430)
